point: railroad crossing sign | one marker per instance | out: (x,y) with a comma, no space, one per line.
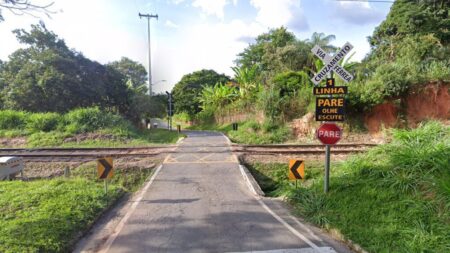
(296,170)
(330,109)
(329,133)
(332,63)
(330,89)
(105,168)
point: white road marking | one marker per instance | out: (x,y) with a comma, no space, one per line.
(119,227)
(289,227)
(247,180)
(314,247)
(311,233)
(301,250)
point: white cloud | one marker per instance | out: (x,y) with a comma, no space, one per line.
(278,13)
(171,24)
(358,13)
(177,2)
(211,7)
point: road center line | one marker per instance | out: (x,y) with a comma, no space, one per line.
(119,227)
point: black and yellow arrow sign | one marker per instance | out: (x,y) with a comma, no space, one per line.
(105,168)
(296,169)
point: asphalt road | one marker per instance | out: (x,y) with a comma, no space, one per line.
(199,202)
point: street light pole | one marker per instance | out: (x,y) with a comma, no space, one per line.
(149,16)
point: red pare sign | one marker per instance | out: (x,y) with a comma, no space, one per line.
(329,133)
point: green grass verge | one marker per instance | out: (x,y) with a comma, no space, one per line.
(394,198)
(58,139)
(50,215)
(46,215)
(90,126)
(250,132)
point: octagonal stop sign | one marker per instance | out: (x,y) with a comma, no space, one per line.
(329,133)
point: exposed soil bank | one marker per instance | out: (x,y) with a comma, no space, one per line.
(429,102)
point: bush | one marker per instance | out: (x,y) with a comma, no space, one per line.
(10,119)
(45,122)
(182,117)
(91,119)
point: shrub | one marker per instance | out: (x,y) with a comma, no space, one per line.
(10,119)
(182,117)
(90,119)
(45,122)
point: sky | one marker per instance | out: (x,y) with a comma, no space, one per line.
(191,35)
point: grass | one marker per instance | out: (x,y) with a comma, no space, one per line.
(394,198)
(46,215)
(251,132)
(50,215)
(98,129)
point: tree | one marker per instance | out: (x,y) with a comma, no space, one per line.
(274,52)
(134,72)
(254,53)
(323,41)
(217,96)
(20,7)
(247,79)
(188,89)
(48,76)
(411,18)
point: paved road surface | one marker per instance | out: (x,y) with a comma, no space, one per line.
(199,202)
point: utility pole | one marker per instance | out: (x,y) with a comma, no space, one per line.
(149,16)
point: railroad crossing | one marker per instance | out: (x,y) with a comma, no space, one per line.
(201,202)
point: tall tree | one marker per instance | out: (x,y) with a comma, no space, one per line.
(188,89)
(254,53)
(275,51)
(134,72)
(48,76)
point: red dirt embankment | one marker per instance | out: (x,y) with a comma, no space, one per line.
(429,102)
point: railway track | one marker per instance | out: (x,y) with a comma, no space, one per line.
(85,154)
(300,149)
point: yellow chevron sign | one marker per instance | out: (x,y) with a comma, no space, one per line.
(296,170)
(105,168)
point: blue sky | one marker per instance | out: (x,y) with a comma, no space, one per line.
(193,34)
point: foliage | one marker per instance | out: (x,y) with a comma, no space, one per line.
(270,102)
(145,107)
(10,119)
(412,17)
(45,122)
(134,72)
(394,198)
(47,76)
(410,48)
(85,120)
(217,96)
(247,80)
(188,89)
(53,129)
(275,51)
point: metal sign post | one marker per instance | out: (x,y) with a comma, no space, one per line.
(330,109)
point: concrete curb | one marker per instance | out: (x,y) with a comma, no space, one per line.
(180,140)
(251,181)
